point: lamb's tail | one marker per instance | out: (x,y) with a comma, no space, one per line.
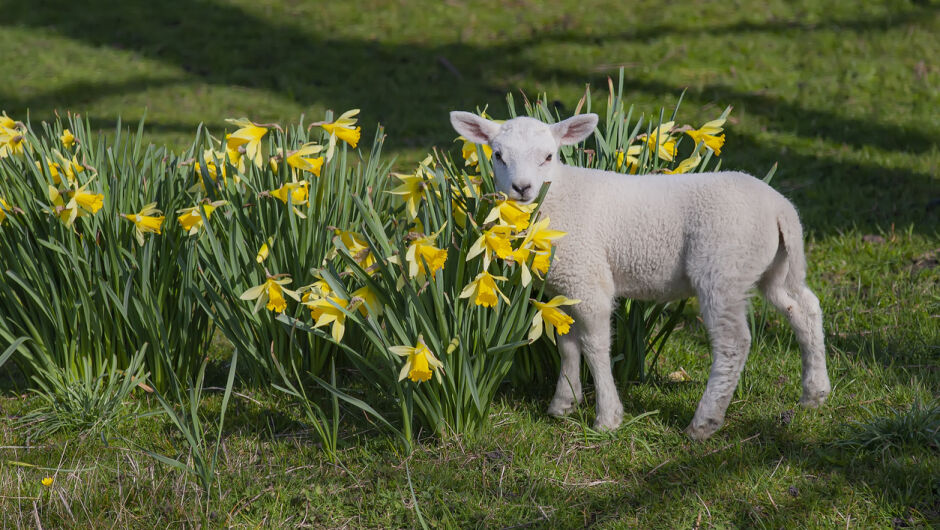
(791,248)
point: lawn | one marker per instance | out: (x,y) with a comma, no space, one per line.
(843,95)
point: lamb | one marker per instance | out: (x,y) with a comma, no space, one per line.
(657,237)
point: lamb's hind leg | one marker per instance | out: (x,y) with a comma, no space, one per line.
(801,308)
(568,390)
(726,321)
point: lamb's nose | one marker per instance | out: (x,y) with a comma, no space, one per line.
(521,190)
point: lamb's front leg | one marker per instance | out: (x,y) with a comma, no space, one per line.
(568,390)
(594,330)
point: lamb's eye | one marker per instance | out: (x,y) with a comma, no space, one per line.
(498,155)
(548,158)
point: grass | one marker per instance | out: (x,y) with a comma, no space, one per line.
(842,94)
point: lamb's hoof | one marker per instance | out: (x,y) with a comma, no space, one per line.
(609,422)
(702,431)
(812,400)
(560,409)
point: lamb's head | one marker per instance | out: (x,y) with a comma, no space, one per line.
(525,150)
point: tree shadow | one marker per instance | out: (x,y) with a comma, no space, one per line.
(411,87)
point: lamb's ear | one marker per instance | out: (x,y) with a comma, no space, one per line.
(472,127)
(575,129)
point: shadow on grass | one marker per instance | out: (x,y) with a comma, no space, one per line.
(411,87)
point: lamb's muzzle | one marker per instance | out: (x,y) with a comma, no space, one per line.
(657,237)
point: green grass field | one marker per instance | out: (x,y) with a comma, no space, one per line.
(844,95)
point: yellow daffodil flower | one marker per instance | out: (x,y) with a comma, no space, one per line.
(541,259)
(659,141)
(12,141)
(247,138)
(190,219)
(551,318)
(66,213)
(296,192)
(541,236)
(209,158)
(329,310)
(496,240)
(4,207)
(358,249)
(470,191)
(413,187)
(709,133)
(264,250)
(70,168)
(511,213)
(484,291)
(342,128)
(299,159)
(147,220)
(630,157)
(685,166)
(422,251)
(469,152)
(367,301)
(6,122)
(90,202)
(68,139)
(270,294)
(421,363)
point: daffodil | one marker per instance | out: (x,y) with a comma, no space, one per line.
(264,250)
(148,220)
(709,134)
(367,301)
(69,168)
(270,294)
(469,191)
(685,166)
(295,193)
(4,207)
(511,213)
(358,249)
(329,310)
(6,122)
(246,139)
(300,159)
(483,290)
(541,236)
(68,139)
(191,220)
(67,213)
(469,152)
(12,141)
(630,158)
(420,363)
(424,258)
(551,318)
(541,259)
(90,202)
(413,187)
(344,129)
(209,158)
(659,141)
(315,291)
(496,240)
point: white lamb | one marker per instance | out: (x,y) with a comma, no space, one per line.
(657,237)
